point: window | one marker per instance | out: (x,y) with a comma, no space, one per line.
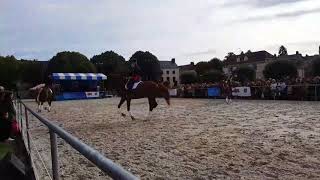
(167,72)
(238,59)
(245,58)
(168,79)
(174,79)
(173,72)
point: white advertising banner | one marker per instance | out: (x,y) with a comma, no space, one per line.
(241,91)
(173,92)
(93,94)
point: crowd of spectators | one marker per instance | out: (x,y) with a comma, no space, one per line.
(286,88)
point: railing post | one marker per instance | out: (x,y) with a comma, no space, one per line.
(21,126)
(27,128)
(54,155)
(315,93)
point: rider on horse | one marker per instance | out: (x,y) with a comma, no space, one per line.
(48,82)
(135,75)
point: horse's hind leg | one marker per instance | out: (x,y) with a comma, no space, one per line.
(119,106)
(152,104)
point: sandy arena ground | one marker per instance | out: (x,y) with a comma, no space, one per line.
(193,139)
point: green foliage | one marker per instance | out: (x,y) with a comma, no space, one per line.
(149,65)
(204,67)
(280,69)
(283,51)
(212,76)
(9,75)
(15,72)
(316,67)
(70,62)
(31,72)
(245,73)
(188,77)
(110,62)
(216,64)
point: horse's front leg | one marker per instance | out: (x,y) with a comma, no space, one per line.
(39,110)
(128,108)
(121,102)
(49,108)
(40,106)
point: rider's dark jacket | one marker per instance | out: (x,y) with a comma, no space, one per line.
(48,81)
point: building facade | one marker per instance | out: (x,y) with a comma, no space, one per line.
(256,60)
(170,72)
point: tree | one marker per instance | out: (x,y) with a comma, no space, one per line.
(230,54)
(188,77)
(315,69)
(149,65)
(70,62)
(212,76)
(280,69)
(109,63)
(31,71)
(282,51)
(216,64)
(9,76)
(204,67)
(245,73)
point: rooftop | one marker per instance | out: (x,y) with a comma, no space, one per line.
(168,64)
(248,57)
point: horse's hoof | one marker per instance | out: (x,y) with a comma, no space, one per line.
(123,115)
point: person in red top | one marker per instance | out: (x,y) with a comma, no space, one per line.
(135,74)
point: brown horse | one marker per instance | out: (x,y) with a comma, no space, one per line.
(44,95)
(146,89)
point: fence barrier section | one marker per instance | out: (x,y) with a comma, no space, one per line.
(106,165)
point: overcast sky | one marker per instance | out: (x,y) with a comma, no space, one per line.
(188,30)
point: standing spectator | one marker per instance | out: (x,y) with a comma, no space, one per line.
(7,115)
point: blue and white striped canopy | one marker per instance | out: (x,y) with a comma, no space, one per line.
(79,76)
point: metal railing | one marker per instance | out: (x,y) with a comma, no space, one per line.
(106,165)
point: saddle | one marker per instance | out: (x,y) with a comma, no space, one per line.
(132,85)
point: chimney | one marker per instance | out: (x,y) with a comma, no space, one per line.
(173,60)
(192,63)
(297,52)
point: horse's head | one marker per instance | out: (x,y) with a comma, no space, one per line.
(164,92)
